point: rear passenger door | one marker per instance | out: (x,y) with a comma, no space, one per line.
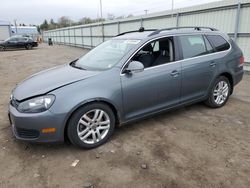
(198,68)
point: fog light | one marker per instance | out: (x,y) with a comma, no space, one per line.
(48,130)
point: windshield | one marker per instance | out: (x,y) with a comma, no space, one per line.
(106,55)
(8,39)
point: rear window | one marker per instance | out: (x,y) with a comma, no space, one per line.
(23,39)
(219,43)
(192,45)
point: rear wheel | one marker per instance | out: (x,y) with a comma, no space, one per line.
(29,47)
(91,126)
(219,93)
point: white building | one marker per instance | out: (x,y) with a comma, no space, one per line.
(24,30)
(5,30)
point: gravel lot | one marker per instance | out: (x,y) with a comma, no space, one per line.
(191,147)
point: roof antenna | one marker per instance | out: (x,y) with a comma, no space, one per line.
(141,29)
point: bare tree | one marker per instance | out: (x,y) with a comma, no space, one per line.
(64,21)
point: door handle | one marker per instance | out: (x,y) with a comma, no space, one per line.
(175,73)
(212,64)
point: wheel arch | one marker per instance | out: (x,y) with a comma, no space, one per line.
(97,100)
(230,78)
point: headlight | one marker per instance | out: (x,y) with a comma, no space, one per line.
(37,104)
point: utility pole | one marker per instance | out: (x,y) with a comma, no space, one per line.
(102,21)
(101,8)
(15,25)
(146,11)
(172,10)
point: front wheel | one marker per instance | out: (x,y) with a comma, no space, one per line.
(2,48)
(219,93)
(28,47)
(91,125)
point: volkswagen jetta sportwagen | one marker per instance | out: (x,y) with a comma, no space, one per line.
(132,76)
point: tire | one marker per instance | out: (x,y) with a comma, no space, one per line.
(28,47)
(86,122)
(219,93)
(2,48)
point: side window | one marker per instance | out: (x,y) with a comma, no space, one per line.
(156,47)
(22,39)
(156,53)
(208,46)
(12,39)
(219,43)
(192,45)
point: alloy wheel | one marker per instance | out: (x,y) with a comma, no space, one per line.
(93,126)
(221,92)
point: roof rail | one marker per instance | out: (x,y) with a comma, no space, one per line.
(141,29)
(187,27)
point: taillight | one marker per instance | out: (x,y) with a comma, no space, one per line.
(242,61)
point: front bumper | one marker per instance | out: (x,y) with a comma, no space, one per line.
(28,126)
(35,44)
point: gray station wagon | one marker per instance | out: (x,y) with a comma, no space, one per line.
(132,76)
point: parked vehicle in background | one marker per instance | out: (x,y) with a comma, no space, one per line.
(18,42)
(132,76)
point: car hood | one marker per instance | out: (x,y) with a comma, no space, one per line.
(48,80)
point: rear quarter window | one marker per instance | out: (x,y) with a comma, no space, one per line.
(219,43)
(192,46)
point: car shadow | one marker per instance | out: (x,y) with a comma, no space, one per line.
(120,131)
(137,125)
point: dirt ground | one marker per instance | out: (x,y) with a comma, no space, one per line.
(191,147)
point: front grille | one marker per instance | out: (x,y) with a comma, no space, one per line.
(27,133)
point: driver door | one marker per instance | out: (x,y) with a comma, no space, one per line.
(12,43)
(155,88)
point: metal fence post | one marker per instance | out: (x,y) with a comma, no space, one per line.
(177,19)
(237,22)
(141,21)
(74,36)
(102,32)
(69,37)
(60,37)
(82,37)
(91,37)
(118,27)
(56,37)
(64,41)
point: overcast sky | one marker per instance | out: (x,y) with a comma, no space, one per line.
(35,11)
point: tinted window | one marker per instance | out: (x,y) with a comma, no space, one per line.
(219,43)
(23,39)
(208,45)
(192,46)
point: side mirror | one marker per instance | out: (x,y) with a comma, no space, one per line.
(134,66)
